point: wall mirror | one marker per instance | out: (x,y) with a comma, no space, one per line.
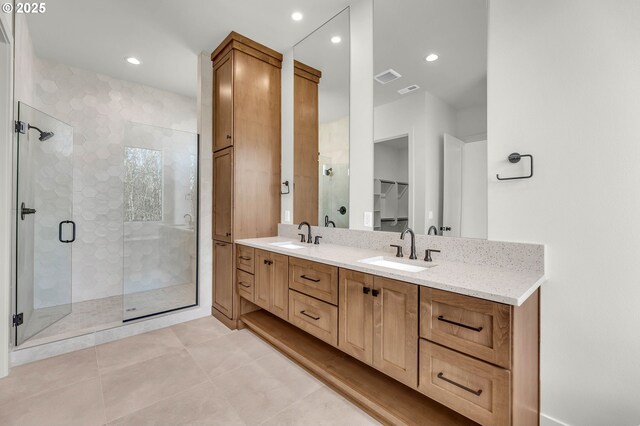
(321,125)
(430,116)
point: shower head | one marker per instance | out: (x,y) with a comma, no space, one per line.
(43,135)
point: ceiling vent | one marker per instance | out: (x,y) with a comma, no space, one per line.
(408,89)
(387,76)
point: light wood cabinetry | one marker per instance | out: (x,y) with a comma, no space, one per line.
(314,316)
(478,390)
(271,283)
(474,356)
(305,143)
(223,103)
(245,284)
(246,165)
(474,326)
(380,324)
(245,258)
(481,358)
(315,279)
(223,264)
(223,195)
(356,315)
(395,329)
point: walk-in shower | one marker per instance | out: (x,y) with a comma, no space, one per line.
(106,229)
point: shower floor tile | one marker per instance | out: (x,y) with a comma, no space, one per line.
(101,314)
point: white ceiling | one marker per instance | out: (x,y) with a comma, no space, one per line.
(406,31)
(166,35)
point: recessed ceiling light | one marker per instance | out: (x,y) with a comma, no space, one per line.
(132,60)
(296,16)
(336,39)
(431,57)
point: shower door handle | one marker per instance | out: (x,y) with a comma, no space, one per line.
(24,210)
(73,229)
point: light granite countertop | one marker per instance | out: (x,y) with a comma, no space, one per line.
(485,282)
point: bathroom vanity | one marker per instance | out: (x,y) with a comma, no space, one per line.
(465,335)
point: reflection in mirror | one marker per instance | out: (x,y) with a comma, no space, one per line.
(430,116)
(321,125)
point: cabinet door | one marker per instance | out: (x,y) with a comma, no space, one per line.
(356,315)
(223,277)
(395,329)
(262,296)
(280,285)
(223,195)
(223,104)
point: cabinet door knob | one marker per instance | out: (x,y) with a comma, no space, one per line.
(375,293)
(228,136)
(366,290)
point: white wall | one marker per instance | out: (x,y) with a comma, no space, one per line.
(361,113)
(6,184)
(286,168)
(471,123)
(425,119)
(473,222)
(564,85)
(205,130)
(391,163)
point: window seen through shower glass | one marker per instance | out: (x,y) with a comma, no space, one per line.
(142,185)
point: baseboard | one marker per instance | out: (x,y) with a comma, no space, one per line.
(550,421)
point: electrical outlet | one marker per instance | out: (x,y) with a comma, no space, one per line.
(430,215)
(368,218)
(287,216)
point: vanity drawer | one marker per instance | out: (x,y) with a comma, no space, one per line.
(245,258)
(314,279)
(245,284)
(313,316)
(471,387)
(477,327)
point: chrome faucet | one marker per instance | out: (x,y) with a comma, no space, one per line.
(309,237)
(413,242)
(434,229)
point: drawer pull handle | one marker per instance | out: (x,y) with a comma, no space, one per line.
(315,280)
(268,262)
(310,316)
(221,244)
(475,392)
(245,258)
(245,285)
(468,327)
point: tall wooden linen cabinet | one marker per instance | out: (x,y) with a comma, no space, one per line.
(246,158)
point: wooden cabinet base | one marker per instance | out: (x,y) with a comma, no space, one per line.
(230,323)
(382,397)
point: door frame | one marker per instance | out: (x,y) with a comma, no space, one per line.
(6,188)
(410,135)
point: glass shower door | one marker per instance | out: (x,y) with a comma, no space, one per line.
(160,220)
(44,226)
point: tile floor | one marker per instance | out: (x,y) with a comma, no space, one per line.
(101,314)
(196,373)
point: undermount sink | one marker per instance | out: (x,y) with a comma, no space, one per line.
(287,245)
(387,263)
